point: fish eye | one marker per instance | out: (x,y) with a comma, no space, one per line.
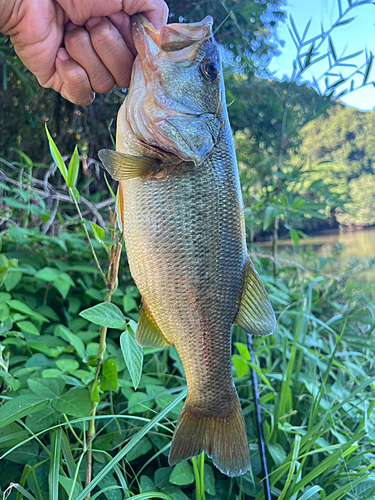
(210,69)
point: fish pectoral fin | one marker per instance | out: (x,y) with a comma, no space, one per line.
(121,166)
(255,315)
(148,333)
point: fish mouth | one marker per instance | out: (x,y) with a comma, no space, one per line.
(170,37)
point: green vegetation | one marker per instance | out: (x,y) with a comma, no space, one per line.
(82,404)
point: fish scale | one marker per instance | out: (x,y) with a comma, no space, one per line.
(183,223)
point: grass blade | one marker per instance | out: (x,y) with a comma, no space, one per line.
(53,476)
(134,440)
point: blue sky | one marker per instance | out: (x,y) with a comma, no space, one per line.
(348,39)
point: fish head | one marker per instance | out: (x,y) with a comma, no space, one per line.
(176,96)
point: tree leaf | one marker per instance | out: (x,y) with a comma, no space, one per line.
(182,474)
(133,356)
(105,314)
(108,376)
(20,407)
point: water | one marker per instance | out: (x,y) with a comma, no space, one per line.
(356,244)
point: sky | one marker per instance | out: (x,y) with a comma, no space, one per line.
(359,35)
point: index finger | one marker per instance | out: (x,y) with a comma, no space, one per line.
(156,11)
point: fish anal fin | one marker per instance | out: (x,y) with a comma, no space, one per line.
(223,438)
(255,315)
(121,166)
(148,333)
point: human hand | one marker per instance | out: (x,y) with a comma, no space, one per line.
(99,49)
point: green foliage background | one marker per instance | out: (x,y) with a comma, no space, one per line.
(303,159)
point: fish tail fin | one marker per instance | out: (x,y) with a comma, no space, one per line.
(223,438)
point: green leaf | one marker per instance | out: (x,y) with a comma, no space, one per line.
(12,435)
(105,314)
(67,365)
(209,480)
(368,69)
(283,200)
(74,194)
(74,340)
(182,474)
(12,279)
(332,48)
(310,492)
(243,350)
(57,156)
(71,180)
(129,303)
(108,376)
(69,485)
(133,356)
(98,232)
(19,306)
(47,387)
(269,217)
(28,327)
(143,447)
(109,188)
(20,407)
(277,453)
(75,402)
(94,391)
(240,366)
(138,403)
(294,236)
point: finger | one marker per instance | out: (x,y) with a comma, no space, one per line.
(156,11)
(78,44)
(123,24)
(71,80)
(111,49)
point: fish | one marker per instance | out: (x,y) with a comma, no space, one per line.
(182,216)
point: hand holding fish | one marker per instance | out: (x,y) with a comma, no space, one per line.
(98,46)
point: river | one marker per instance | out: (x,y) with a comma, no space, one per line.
(356,244)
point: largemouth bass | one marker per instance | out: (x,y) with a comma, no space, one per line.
(180,205)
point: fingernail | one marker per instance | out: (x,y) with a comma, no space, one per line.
(93,21)
(62,54)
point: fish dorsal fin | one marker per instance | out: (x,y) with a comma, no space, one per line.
(148,333)
(255,315)
(121,166)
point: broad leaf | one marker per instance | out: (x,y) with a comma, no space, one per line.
(133,356)
(108,376)
(75,402)
(20,407)
(182,474)
(105,314)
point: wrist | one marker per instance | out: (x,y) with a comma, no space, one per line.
(10,15)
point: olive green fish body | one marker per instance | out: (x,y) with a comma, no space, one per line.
(180,205)
(185,241)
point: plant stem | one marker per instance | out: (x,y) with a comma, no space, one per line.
(262,448)
(87,236)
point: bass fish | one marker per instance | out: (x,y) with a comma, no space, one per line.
(180,206)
